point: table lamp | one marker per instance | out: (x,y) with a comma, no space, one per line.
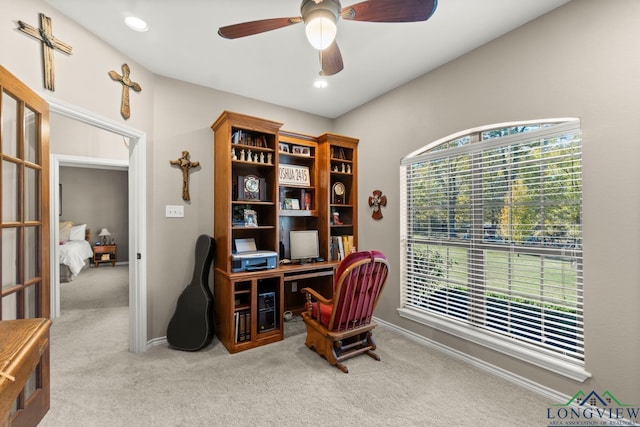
(104,233)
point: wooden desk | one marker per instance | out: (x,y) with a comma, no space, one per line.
(22,342)
(310,267)
(236,300)
(317,275)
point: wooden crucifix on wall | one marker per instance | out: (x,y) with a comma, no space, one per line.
(125,110)
(49,44)
(185,164)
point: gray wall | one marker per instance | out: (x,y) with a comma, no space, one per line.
(580,60)
(98,198)
(180,113)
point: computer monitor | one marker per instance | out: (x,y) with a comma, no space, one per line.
(303,245)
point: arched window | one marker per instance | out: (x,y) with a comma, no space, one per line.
(491,233)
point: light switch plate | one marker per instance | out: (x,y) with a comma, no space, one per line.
(174,211)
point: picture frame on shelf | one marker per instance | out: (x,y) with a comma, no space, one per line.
(301,150)
(250,218)
(292,204)
(284,148)
(237,215)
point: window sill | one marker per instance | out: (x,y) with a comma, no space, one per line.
(521,351)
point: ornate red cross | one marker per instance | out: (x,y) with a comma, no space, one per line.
(376,201)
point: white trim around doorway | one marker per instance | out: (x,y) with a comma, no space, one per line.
(137,214)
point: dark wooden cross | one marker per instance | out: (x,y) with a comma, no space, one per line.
(49,44)
(125,111)
(185,164)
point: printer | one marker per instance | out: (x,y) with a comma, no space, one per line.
(247,258)
(254,260)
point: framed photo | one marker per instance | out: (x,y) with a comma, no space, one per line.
(303,151)
(250,218)
(291,204)
(284,148)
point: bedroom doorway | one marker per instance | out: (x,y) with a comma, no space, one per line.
(137,208)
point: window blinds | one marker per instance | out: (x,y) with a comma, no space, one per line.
(492,234)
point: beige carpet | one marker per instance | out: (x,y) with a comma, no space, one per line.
(95,381)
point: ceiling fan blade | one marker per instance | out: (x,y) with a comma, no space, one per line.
(390,10)
(331,60)
(256,27)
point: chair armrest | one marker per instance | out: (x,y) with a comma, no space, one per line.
(312,293)
(309,292)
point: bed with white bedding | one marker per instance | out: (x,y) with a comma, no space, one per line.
(74,250)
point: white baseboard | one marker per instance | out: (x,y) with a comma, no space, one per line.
(157,341)
(553,395)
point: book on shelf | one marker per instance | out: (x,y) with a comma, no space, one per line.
(243,138)
(243,326)
(338,153)
(305,199)
(349,244)
(340,246)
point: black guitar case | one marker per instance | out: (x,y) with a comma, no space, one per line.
(191,327)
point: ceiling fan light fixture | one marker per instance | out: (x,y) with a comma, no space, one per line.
(320,28)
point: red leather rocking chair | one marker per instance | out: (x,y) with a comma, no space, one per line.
(340,328)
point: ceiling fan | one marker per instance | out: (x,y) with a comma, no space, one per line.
(320,18)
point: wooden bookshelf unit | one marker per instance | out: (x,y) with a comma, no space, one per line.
(269,182)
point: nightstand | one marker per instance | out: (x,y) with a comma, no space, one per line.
(104,253)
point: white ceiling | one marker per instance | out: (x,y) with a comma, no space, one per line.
(280,66)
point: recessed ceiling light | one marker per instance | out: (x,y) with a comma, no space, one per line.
(320,83)
(136,24)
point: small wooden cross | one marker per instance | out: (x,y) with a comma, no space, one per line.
(185,164)
(125,111)
(49,43)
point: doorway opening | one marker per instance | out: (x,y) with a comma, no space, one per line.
(137,213)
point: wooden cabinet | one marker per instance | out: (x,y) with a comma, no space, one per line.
(104,253)
(241,321)
(269,182)
(245,151)
(299,206)
(338,166)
